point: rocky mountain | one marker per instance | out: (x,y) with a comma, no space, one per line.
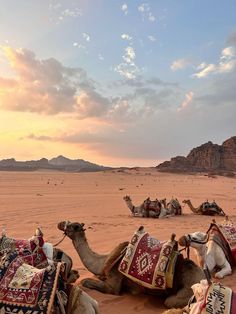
(207,157)
(59,163)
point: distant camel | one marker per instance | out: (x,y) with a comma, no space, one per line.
(173,207)
(206,208)
(148,208)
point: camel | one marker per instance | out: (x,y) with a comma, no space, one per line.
(206,208)
(148,208)
(173,207)
(79,302)
(110,280)
(210,251)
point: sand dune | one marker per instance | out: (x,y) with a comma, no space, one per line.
(43,199)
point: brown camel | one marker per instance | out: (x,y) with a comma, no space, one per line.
(110,280)
(206,208)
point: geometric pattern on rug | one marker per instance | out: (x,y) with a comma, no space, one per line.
(219,300)
(25,289)
(149,262)
(31,247)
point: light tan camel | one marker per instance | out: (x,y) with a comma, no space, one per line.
(173,207)
(148,208)
(206,208)
(110,280)
(211,250)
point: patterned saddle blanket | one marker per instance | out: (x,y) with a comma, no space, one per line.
(149,262)
(31,247)
(224,234)
(25,289)
(152,205)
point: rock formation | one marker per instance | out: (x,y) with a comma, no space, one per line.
(205,158)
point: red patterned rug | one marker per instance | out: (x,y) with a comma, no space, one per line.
(25,289)
(227,232)
(149,262)
(32,248)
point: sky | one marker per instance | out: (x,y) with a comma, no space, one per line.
(117,83)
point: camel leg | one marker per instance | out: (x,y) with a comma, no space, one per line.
(226,270)
(111,285)
(180,299)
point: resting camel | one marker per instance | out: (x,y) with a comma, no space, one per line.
(110,280)
(206,208)
(148,208)
(210,249)
(173,207)
(79,302)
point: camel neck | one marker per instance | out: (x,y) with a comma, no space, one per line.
(92,261)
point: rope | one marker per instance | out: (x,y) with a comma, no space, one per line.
(59,241)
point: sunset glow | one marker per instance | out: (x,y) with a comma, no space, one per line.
(115,83)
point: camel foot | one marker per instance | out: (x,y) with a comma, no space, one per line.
(221,275)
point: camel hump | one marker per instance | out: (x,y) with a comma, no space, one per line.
(116,254)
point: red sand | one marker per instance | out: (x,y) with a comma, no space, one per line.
(43,199)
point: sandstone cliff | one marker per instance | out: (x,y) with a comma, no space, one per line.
(207,157)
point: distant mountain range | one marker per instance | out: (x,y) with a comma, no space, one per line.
(59,163)
(208,157)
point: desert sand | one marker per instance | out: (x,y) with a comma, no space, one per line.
(31,199)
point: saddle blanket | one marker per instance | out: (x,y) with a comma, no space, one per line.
(31,247)
(25,289)
(149,262)
(219,300)
(227,231)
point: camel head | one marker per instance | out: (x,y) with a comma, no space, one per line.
(127,198)
(71,229)
(194,239)
(186,201)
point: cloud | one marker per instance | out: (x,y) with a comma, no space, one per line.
(151,38)
(188,99)
(126,37)
(145,10)
(71,13)
(91,104)
(100,57)
(124,8)
(42,86)
(128,68)
(86,36)
(179,64)
(226,64)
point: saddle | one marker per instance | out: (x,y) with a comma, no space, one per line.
(152,205)
(150,262)
(211,209)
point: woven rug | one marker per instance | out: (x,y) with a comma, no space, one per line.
(149,262)
(219,300)
(227,231)
(25,289)
(31,247)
